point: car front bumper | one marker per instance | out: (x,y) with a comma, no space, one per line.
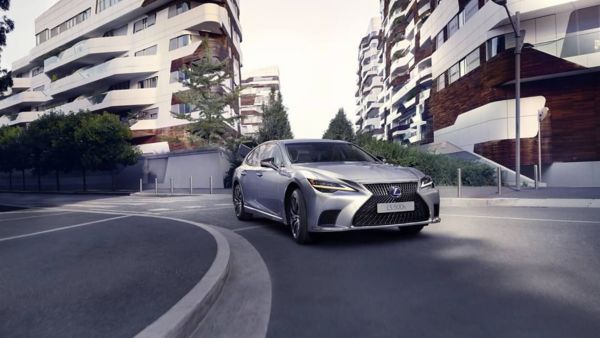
(349,203)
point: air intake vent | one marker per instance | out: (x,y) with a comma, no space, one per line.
(328,217)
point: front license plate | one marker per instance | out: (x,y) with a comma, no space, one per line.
(386,208)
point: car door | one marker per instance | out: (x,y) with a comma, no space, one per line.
(249,178)
(272,181)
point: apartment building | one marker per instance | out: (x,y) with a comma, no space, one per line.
(258,85)
(370,81)
(473,105)
(404,68)
(122,56)
(449,71)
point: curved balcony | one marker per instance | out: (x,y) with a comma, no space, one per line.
(401,65)
(87,52)
(26,117)
(108,73)
(21,84)
(115,101)
(24,99)
(400,46)
(211,18)
(400,130)
(372,123)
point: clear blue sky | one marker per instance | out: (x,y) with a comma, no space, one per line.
(314,43)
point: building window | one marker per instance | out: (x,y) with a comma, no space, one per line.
(452,26)
(147,51)
(470,9)
(495,46)
(441,82)
(148,83)
(121,31)
(439,39)
(453,73)
(37,71)
(72,22)
(144,23)
(119,86)
(470,62)
(180,41)
(104,4)
(178,8)
(149,114)
(181,108)
(178,76)
(42,37)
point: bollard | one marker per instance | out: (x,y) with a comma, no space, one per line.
(459,172)
(191,185)
(499,174)
(156,185)
(210,185)
(535,176)
(141,185)
(171,184)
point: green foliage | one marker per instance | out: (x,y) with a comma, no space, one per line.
(206,95)
(6,26)
(57,142)
(275,124)
(340,128)
(441,168)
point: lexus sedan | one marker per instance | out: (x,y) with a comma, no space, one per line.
(326,186)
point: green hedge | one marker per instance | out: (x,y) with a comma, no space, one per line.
(441,168)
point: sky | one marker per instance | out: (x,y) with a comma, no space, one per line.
(313,42)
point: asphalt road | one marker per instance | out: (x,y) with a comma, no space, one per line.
(72,274)
(482,272)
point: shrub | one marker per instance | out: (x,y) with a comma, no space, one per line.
(441,168)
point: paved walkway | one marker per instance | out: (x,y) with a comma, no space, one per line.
(526,193)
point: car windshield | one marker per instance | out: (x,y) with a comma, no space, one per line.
(326,152)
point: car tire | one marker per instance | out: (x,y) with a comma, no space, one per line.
(297,217)
(411,230)
(238,203)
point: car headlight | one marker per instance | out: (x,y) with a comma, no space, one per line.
(326,186)
(426,182)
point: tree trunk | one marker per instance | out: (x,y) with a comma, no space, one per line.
(23,178)
(10,180)
(84,180)
(112,175)
(57,180)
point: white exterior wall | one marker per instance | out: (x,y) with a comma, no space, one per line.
(258,82)
(85,41)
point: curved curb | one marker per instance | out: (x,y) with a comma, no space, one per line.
(182,319)
(521,202)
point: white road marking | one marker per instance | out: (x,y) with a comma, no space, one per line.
(159,209)
(194,207)
(222,204)
(247,228)
(90,205)
(522,219)
(30,217)
(61,228)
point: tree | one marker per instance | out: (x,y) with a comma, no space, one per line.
(6,26)
(11,151)
(207,95)
(275,123)
(340,128)
(40,141)
(101,142)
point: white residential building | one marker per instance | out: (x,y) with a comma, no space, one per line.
(121,56)
(370,81)
(258,85)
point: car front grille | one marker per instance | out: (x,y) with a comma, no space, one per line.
(367,214)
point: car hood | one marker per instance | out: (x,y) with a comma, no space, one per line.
(362,172)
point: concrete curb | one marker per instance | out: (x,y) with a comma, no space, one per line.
(183,318)
(107,193)
(521,202)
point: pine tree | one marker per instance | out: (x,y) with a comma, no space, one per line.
(6,26)
(275,124)
(340,128)
(206,95)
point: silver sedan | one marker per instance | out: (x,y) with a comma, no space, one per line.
(327,186)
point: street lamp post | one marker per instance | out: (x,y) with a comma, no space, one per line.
(542,113)
(519,37)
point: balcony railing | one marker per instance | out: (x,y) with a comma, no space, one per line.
(107,46)
(23,98)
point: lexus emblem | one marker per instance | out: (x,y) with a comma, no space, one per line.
(395,191)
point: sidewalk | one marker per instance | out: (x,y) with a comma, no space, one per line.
(527,197)
(182,192)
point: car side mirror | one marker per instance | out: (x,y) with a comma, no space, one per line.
(269,163)
(381,158)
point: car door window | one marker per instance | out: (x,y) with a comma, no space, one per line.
(271,150)
(253,159)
